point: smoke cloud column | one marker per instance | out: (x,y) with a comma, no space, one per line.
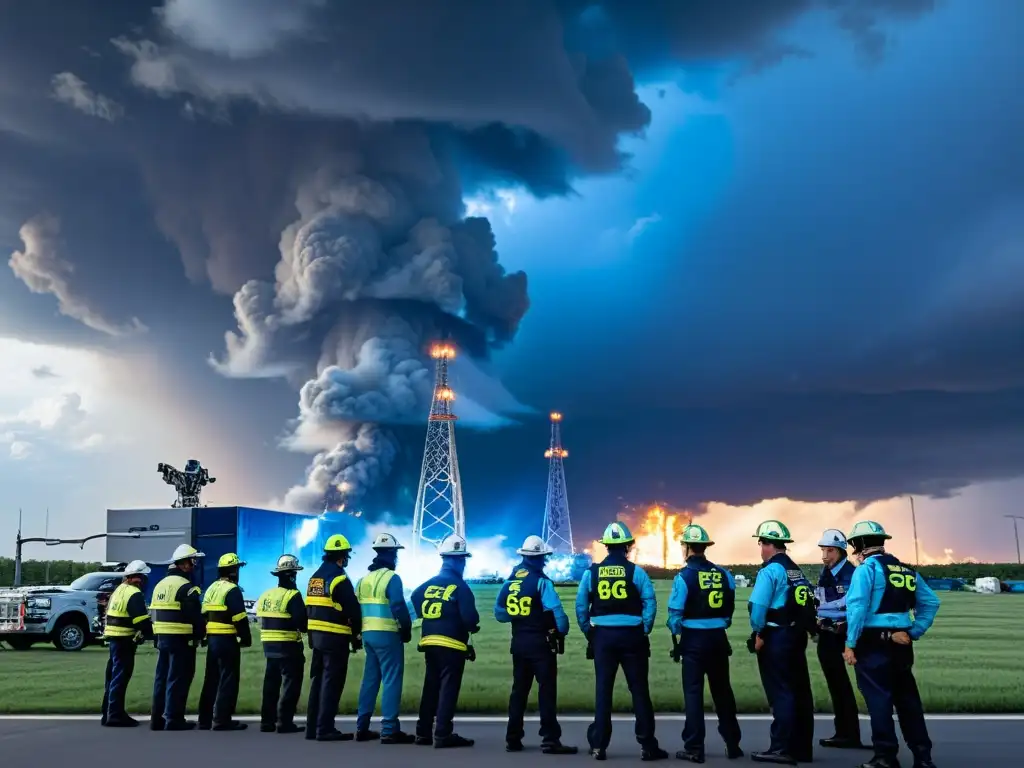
(378,264)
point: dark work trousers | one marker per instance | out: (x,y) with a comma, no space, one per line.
(219,696)
(844,703)
(625,647)
(288,670)
(175,668)
(327,675)
(885,677)
(120,667)
(706,652)
(782,663)
(534,660)
(441,683)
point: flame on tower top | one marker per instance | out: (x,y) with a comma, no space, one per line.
(445,351)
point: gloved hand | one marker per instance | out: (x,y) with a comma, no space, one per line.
(245,643)
(405,633)
(357,643)
(471,653)
(590,644)
(750,642)
(202,643)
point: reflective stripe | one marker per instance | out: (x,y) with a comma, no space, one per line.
(165,608)
(372,594)
(276,624)
(215,607)
(440,641)
(119,622)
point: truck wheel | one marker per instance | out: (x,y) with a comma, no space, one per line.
(19,643)
(70,635)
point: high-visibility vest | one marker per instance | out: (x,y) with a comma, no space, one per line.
(215,606)
(168,618)
(376,608)
(276,624)
(120,623)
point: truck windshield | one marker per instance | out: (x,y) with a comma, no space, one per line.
(93,582)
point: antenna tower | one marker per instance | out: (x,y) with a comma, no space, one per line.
(439,511)
(557,531)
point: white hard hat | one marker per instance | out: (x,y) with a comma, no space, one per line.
(386,541)
(454,546)
(137,568)
(185,552)
(833,537)
(534,545)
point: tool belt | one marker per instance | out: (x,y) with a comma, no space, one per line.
(879,636)
(832,626)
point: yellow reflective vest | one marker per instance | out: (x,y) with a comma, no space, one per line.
(218,622)
(372,595)
(120,623)
(168,617)
(276,624)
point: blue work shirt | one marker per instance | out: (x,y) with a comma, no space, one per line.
(650,605)
(549,601)
(770,589)
(677,606)
(842,575)
(865,595)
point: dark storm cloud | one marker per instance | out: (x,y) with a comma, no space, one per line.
(310,157)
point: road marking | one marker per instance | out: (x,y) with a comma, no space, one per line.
(532,719)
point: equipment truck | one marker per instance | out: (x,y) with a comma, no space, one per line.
(69,617)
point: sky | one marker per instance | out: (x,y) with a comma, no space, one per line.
(767,258)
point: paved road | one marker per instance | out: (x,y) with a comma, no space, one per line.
(78,743)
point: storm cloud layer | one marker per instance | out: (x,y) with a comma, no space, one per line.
(305,162)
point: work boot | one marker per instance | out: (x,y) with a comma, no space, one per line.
(452,740)
(653,753)
(267,727)
(513,745)
(288,728)
(398,737)
(598,754)
(558,748)
(122,721)
(204,726)
(231,725)
(424,741)
(367,735)
(335,736)
(924,763)
(879,761)
(733,751)
(157,725)
(180,725)
(690,756)
(780,758)
(841,742)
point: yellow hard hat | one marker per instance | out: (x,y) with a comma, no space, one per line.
(230,560)
(337,543)
(616,533)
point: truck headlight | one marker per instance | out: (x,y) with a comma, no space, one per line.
(43,603)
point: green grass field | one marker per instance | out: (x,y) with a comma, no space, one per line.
(969,662)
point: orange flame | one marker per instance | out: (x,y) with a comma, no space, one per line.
(656,530)
(438,351)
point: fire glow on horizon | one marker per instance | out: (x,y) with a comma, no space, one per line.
(657,528)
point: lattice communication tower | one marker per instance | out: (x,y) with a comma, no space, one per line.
(439,511)
(557,531)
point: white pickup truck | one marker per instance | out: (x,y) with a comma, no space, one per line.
(69,617)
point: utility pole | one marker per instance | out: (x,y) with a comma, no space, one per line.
(46,534)
(913,518)
(1016,537)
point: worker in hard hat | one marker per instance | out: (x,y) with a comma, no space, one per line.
(127,625)
(282,617)
(227,632)
(888,608)
(447,607)
(700,611)
(830,599)
(335,621)
(528,601)
(616,609)
(179,626)
(387,626)
(781,616)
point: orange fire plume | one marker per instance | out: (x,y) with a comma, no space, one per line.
(656,529)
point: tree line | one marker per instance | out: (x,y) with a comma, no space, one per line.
(40,572)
